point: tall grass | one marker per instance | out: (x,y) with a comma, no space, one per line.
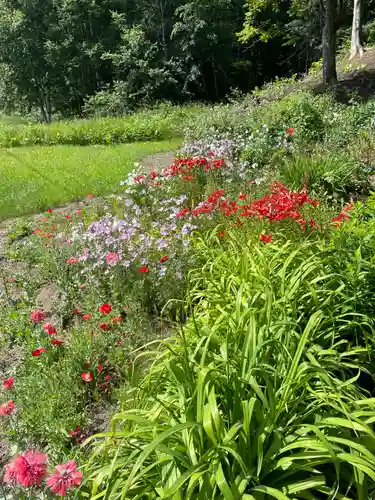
(255,398)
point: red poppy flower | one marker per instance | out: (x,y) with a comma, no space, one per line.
(56,342)
(164,259)
(67,217)
(50,210)
(38,316)
(86,317)
(183,212)
(105,309)
(86,376)
(38,352)
(72,260)
(290,131)
(143,269)
(49,328)
(99,368)
(7,408)
(8,383)
(104,326)
(267,238)
(221,234)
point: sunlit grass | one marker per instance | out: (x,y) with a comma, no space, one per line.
(33,179)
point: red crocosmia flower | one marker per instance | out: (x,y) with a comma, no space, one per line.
(221,234)
(104,326)
(50,210)
(65,478)
(49,328)
(8,383)
(108,377)
(7,408)
(72,260)
(28,469)
(90,196)
(143,269)
(38,316)
(38,352)
(116,319)
(183,212)
(99,368)
(164,259)
(267,238)
(242,196)
(105,308)
(290,131)
(86,317)
(86,376)
(56,342)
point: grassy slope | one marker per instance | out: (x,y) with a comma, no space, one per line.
(33,179)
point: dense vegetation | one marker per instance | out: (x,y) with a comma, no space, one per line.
(215,315)
(85,57)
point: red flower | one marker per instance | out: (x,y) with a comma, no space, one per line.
(104,326)
(183,212)
(49,328)
(72,260)
(38,352)
(188,177)
(242,196)
(221,234)
(8,383)
(99,368)
(90,196)
(164,259)
(65,478)
(86,376)
(118,342)
(143,269)
(290,131)
(38,316)
(28,469)
(105,308)
(7,408)
(267,238)
(56,342)
(116,319)
(75,311)
(86,317)
(76,431)
(108,377)
(67,217)
(50,210)
(78,212)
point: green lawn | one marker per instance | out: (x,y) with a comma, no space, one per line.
(33,179)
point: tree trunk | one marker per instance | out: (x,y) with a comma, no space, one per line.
(329,42)
(356,46)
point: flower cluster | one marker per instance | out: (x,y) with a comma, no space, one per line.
(30,469)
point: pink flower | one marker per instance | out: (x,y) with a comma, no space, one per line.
(112,258)
(8,383)
(65,478)
(72,260)
(86,376)
(28,469)
(38,316)
(49,328)
(7,408)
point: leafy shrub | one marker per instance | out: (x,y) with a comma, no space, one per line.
(238,405)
